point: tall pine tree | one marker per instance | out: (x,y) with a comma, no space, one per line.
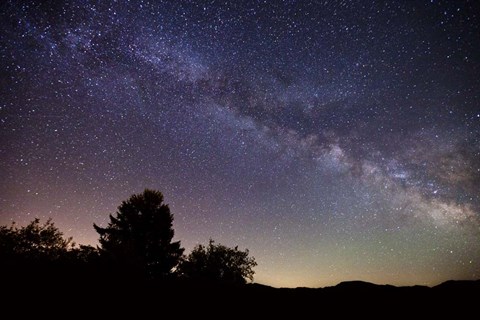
(139,239)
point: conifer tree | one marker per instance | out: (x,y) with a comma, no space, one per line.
(139,238)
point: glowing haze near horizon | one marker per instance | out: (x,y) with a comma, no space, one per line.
(337,140)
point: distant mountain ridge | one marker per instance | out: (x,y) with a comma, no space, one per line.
(364,285)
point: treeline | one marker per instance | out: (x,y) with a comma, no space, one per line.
(136,245)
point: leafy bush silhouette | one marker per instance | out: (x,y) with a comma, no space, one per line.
(218,263)
(39,253)
(138,241)
(34,242)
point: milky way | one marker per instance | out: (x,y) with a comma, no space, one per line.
(336,140)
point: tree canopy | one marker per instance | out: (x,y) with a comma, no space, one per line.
(136,244)
(218,263)
(139,237)
(35,241)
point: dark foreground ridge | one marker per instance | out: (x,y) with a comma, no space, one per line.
(141,299)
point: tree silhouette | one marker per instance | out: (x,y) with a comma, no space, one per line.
(218,263)
(139,239)
(34,242)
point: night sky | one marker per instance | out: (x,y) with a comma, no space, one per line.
(337,140)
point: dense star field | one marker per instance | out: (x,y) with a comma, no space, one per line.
(337,140)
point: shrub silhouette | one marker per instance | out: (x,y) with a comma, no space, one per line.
(218,263)
(138,240)
(34,242)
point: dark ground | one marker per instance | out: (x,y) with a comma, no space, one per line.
(98,298)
